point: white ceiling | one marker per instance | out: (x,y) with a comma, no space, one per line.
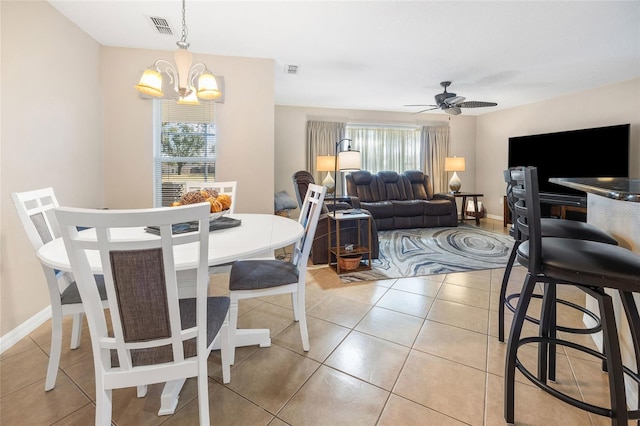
(381,55)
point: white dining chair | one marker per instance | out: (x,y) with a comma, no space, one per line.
(228,188)
(36,211)
(157,337)
(267,277)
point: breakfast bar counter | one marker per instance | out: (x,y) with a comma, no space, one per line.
(615,188)
(613,205)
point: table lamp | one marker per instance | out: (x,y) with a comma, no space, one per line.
(454,164)
(325,163)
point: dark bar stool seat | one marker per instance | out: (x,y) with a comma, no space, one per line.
(592,266)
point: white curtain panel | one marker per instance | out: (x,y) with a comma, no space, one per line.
(386,148)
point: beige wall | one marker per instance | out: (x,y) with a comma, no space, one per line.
(245,148)
(291,137)
(605,106)
(52,135)
(81,128)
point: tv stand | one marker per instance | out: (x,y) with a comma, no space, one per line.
(569,212)
(563,200)
(563,206)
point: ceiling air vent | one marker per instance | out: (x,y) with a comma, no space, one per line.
(292,69)
(161,25)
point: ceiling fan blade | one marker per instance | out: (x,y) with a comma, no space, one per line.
(425,110)
(420,105)
(476,104)
(455,110)
(456,100)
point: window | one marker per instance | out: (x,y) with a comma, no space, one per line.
(184,147)
(386,147)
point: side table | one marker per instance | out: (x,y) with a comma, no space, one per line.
(358,249)
(464,196)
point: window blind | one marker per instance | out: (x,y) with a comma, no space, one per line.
(184,147)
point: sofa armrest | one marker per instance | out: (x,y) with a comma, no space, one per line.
(340,205)
(443,196)
(355,202)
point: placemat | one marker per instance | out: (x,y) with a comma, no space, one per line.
(214,225)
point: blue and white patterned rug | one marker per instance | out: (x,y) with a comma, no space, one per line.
(428,251)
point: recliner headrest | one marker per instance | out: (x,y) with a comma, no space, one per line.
(362,177)
(414,176)
(388,176)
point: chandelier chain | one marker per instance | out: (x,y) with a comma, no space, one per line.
(184,24)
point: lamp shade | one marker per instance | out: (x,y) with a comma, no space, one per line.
(190,99)
(207,86)
(325,163)
(349,161)
(150,83)
(454,164)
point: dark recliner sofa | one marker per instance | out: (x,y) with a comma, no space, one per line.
(401,200)
(348,229)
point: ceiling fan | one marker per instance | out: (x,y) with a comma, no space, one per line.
(451,103)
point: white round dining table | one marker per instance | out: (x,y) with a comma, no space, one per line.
(258,235)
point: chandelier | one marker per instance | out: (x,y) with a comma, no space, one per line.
(182,76)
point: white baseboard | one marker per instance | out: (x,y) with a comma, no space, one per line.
(23,330)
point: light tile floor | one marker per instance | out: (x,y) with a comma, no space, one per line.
(409,351)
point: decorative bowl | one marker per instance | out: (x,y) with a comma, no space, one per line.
(217,215)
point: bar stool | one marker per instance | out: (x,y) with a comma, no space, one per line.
(593,267)
(550,227)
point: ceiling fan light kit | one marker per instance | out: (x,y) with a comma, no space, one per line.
(451,103)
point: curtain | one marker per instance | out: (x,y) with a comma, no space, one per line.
(435,143)
(386,148)
(321,140)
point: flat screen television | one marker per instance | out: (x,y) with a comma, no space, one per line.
(595,152)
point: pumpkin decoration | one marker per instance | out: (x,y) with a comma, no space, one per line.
(216,206)
(225,200)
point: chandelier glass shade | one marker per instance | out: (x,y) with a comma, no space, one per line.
(182,75)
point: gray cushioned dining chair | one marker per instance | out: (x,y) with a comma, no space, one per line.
(258,278)
(35,209)
(155,336)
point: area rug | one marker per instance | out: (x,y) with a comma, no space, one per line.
(428,251)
